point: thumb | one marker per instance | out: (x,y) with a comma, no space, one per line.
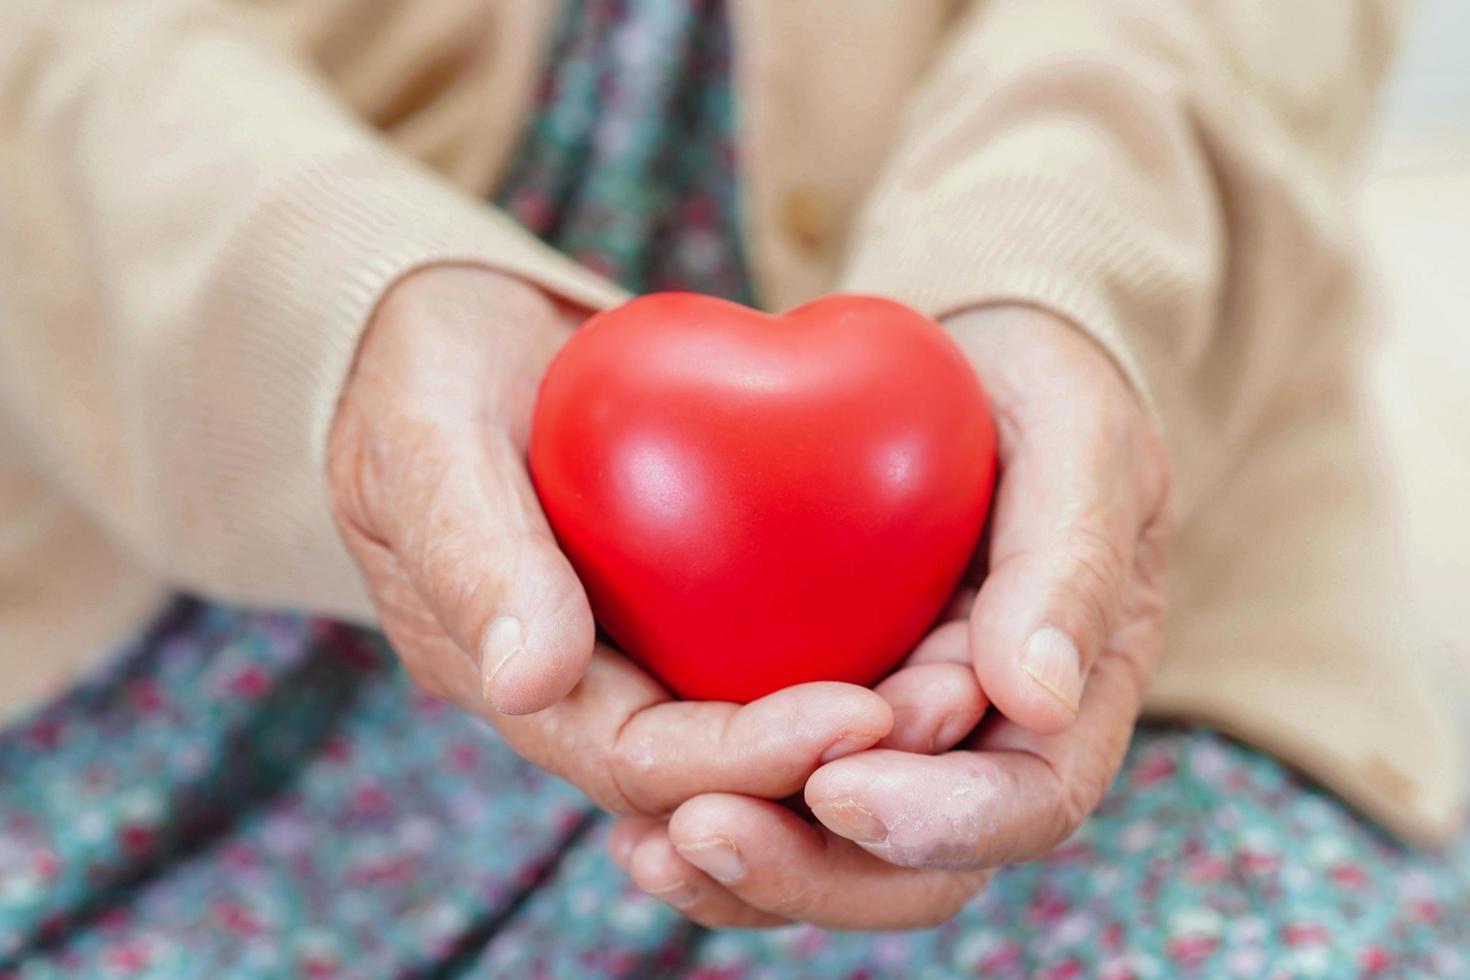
(473,541)
(1082,473)
(535,646)
(1039,622)
(1066,525)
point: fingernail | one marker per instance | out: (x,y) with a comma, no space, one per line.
(680,894)
(846,745)
(852,820)
(1050,659)
(716,857)
(953,727)
(504,640)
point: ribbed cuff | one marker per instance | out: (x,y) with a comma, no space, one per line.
(1041,242)
(286,307)
(330,246)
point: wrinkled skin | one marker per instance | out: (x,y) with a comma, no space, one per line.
(915,804)
(430,493)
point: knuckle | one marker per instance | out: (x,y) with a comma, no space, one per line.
(1097,569)
(453,574)
(632,759)
(556,742)
(633,769)
(1097,555)
(614,801)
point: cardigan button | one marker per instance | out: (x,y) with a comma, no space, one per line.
(807,218)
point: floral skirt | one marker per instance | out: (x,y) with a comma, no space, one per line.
(241,794)
(251,795)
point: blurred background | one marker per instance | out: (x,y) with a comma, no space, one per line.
(1417,211)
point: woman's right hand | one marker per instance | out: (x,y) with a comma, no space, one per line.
(430,492)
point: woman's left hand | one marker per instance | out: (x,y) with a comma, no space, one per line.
(1063,635)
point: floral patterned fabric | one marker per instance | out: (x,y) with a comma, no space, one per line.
(629,165)
(243,794)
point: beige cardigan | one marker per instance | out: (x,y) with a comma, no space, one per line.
(196,217)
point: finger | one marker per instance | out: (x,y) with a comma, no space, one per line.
(426,461)
(618,738)
(769,858)
(677,749)
(1067,518)
(464,523)
(947,643)
(1014,798)
(935,696)
(657,868)
(626,834)
(1082,472)
(934,705)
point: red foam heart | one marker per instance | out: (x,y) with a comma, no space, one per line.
(755,501)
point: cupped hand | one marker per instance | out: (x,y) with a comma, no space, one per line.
(1063,635)
(430,493)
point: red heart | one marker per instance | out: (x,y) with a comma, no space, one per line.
(755,501)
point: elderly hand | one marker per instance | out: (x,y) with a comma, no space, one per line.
(431,495)
(1063,635)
